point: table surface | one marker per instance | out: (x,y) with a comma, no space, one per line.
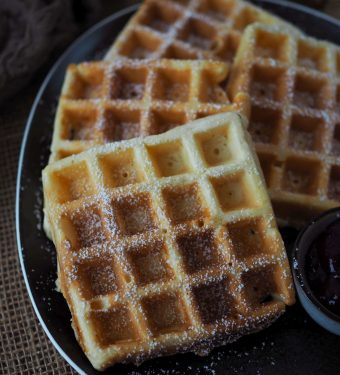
(24,347)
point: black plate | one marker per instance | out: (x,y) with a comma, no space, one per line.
(294,343)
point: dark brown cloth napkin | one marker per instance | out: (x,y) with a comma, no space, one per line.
(30,30)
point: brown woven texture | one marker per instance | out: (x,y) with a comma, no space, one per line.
(24,347)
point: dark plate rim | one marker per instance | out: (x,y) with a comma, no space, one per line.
(75,44)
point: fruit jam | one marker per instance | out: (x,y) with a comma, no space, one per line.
(323,267)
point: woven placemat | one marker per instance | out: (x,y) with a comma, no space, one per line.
(24,347)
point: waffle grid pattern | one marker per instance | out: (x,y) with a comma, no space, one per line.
(294,85)
(167,247)
(192,29)
(104,102)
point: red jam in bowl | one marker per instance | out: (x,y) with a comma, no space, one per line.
(323,267)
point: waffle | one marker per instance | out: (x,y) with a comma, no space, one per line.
(166,243)
(294,84)
(188,29)
(103,102)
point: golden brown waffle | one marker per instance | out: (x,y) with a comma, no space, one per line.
(166,243)
(103,102)
(188,29)
(294,84)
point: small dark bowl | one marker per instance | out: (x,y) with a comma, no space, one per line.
(313,307)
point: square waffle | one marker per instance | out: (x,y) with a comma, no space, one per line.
(166,243)
(188,29)
(103,102)
(294,84)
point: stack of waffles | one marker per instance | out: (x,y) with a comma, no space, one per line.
(156,196)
